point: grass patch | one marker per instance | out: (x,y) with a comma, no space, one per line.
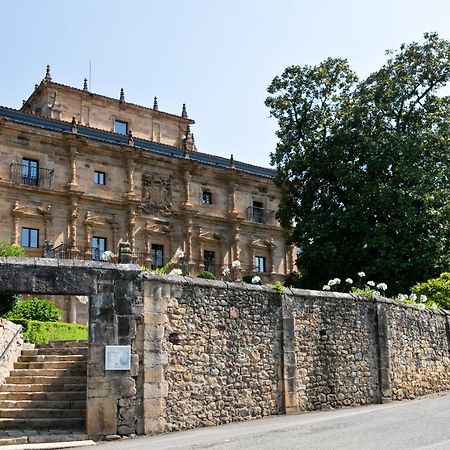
(42,332)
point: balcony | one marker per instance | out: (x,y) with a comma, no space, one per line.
(260,215)
(39,177)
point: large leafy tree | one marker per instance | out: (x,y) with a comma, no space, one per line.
(364,166)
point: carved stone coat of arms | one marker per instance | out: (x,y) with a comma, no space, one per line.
(156,194)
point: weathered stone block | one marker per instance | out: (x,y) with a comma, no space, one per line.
(101,416)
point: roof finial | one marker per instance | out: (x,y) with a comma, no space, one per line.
(155,103)
(122,95)
(48,76)
(23,102)
(85,85)
(186,141)
(231,162)
(36,86)
(183,111)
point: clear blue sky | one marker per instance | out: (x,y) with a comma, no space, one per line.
(217,56)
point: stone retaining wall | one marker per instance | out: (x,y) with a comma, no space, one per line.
(9,338)
(229,352)
(205,353)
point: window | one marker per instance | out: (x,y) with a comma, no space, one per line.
(29,237)
(258,212)
(206,197)
(99,177)
(208,261)
(98,247)
(260,263)
(157,256)
(30,172)
(121,127)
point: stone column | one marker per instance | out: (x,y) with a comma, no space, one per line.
(130,166)
(73,224)
(88,223)
(290,258)
(148,244)
(188,246)
(132,228)
(187,185)
(251,257)
(15,214)
(232,197)
(201,248)
(270,263)
(72,183)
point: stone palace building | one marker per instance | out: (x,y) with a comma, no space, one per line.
(86,172)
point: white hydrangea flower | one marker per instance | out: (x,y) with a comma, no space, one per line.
(236,264)
(376,292)
(331,283)
(413,297)
(326,288)
(337,281)
(371,283)
(402,297)
(176,272)
(421,306)
(107,256)
(382,286)
(423,298)
(349,281)
(256,279)
(361,274)
(226,272)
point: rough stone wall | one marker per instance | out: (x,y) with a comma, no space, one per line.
(419,351)
(8,336)
(222,347)
(336,352)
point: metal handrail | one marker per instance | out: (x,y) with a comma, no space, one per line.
(11,341)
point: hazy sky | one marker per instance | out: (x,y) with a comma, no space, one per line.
(217,56)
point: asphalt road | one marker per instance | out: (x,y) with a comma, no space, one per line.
(418,424)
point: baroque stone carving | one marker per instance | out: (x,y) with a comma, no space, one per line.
(156,194)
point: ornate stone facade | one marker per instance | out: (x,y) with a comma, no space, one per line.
(88,172)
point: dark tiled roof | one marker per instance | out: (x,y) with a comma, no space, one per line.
(112,138)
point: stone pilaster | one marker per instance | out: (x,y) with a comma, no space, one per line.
(73,216)
(72,183)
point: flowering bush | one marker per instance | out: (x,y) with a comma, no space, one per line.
(177,272)
(107,256)
(179,255)
(437,290)
(256,280)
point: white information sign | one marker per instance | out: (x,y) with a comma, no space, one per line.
(117,357)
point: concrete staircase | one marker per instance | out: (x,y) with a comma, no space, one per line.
(44,397)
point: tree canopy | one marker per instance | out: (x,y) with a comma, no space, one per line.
(364,166)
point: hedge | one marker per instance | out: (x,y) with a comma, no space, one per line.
(42,332)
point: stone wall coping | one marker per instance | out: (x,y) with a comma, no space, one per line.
(201,282)
(52,262)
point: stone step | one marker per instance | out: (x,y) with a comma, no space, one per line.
(47,423)
(77,365)
(47,372)
(52,358)
(55,351)
(62,344)
(41,387)
(41,413)
(43,404)
(42,379)
(49,396)
(14,437)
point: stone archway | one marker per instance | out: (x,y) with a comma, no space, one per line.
(114,398)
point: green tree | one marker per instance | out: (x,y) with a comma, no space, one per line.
(363,166)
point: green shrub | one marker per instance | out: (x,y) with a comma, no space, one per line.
(437,290)
(8,302)
(8,249)
(35,309)
(277,287)
(42,332)
(206,275)
(294,279)
(247,279)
